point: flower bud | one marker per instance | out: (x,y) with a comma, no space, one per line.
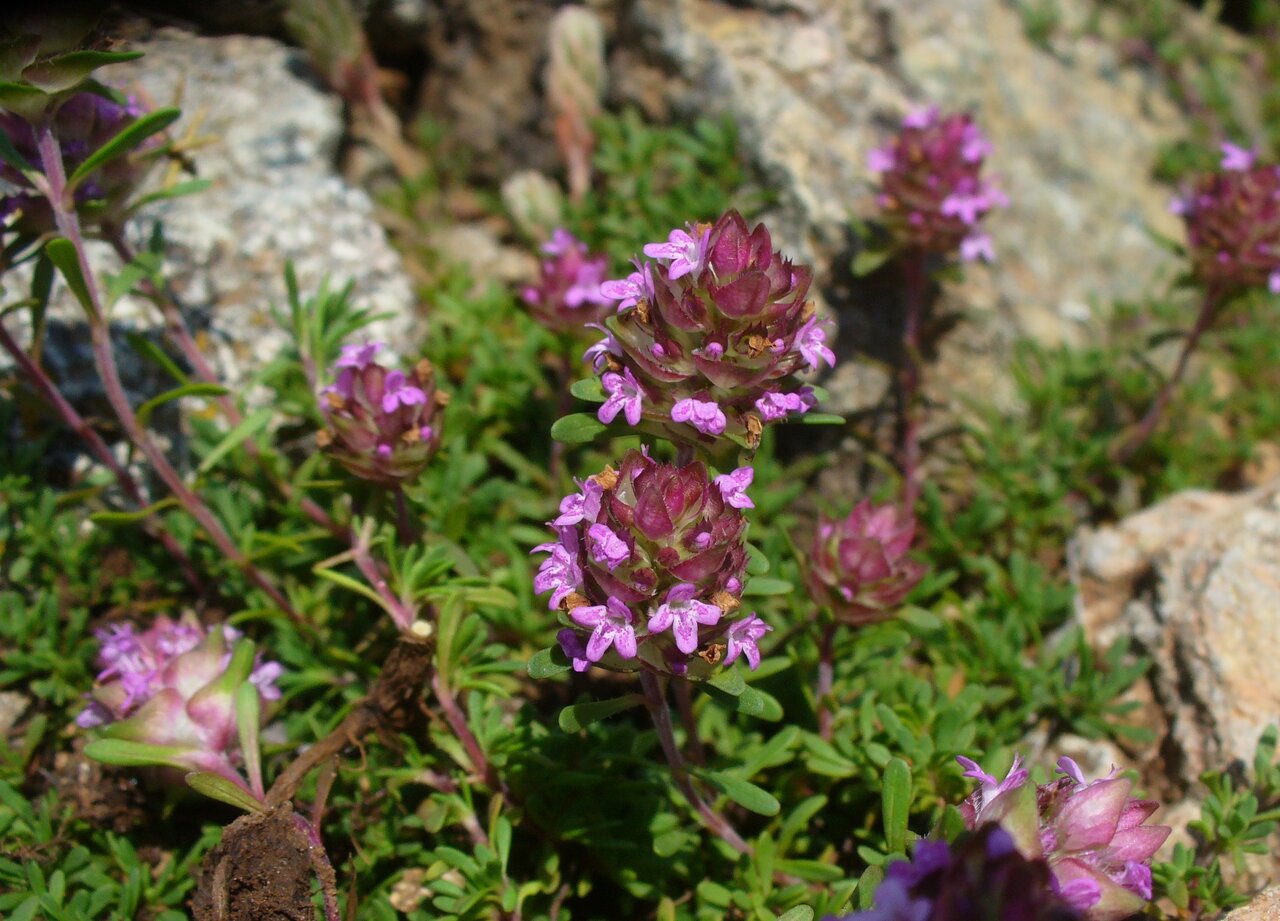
(174,686)
(932,194)
(648,568)
(1091,833)
(384,425)
(709,336)
(1233,223)
(859,565)
(567,296)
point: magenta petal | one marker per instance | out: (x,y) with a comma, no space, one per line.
(1138,843)
(1090,816)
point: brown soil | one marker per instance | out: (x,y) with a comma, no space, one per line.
(261,871)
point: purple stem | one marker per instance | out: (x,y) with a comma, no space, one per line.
(684,703)
(1208,312)
(655,702)
(69,226)
(826,671)
(916,290)
(36,375)
(324,869)
(457,721)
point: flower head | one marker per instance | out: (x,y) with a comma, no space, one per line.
(383,424)
(932,192)
(859,565)
(1233,223)
(648,566)
(1091,833)
(717,322)
(567,295)
(173,685)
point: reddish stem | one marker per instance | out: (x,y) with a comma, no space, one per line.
(826,672)
(916,291)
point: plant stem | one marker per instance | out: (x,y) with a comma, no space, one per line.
(826,671)
(655,702)
(916,290)
(69,226)
(457,721)
(323,868)
(1208,313)
(405,530)
(77,423)
(180,333)
(684,703)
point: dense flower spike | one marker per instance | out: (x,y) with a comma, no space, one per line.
(1233,223)
(1091,833)
(567,296)
(384,425)
(709,336)
(932,194)
(173,685)
(648,566)
(984,876)
(859,565)
(84,123)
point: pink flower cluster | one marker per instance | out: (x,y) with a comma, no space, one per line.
(1090,832)
(567,295)
(1233,223)
(709,336)
(932,194)
(384,424)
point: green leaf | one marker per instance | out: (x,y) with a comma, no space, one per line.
(868,883)
(26,101)
(215,786)
(129,138)
(763,587)
(349,583)
(868,260)
(757,703)
(743,792)
(820,419)
(65,71)
(800,912)
(895,799)
(177,190)
(547,663)
(243,431)
(124,753)
(62,254)
(248,718)
(142,514)
(811,869)
(589,390)
(577,429)
(148,349)
(729,682)
(194,389)
(577,716)
(757,562)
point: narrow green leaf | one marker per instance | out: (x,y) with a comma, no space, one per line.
(177,190)
(757,562)
(578,716)
(800,912)
(757,703)
(124,753)
(868,883)
(868,260)
(743,792)
(24,100)
(820,419)
(895,799)
(243,431)
(65,71)
(588,389)
(728,681)
(142,514)
(811,869)
(349,583)
(579,428)
(215,786)
(547,663)
(193,389)
(129,138)
(248,719)
(62,254)
(761,587)
(150,350)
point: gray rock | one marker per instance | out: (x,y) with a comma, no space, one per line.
(814,85)
(1264,907)
(1195,581)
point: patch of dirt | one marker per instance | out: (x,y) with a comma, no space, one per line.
(260,871)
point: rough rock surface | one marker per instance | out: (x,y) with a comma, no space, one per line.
(268,140)
(1264,907)
(1195,582)
(815,84)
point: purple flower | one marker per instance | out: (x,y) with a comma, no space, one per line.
(682,613)
(977,246)
(567,295)
(612,627)
(580,506)
(811,341)
(559,573)
(598,355)
(357,356)
(704,415)
(624,395)
(687,253)
(606,547)
(1237,158)
(398,392)
(921,118)
(742,638)
(636,287)
(880,159)
(775,406)
(733,486)
(574,649)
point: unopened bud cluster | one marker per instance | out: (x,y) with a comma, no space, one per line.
(648,568)
(384,425)
(709,336)
(1233,223)
(932,193)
